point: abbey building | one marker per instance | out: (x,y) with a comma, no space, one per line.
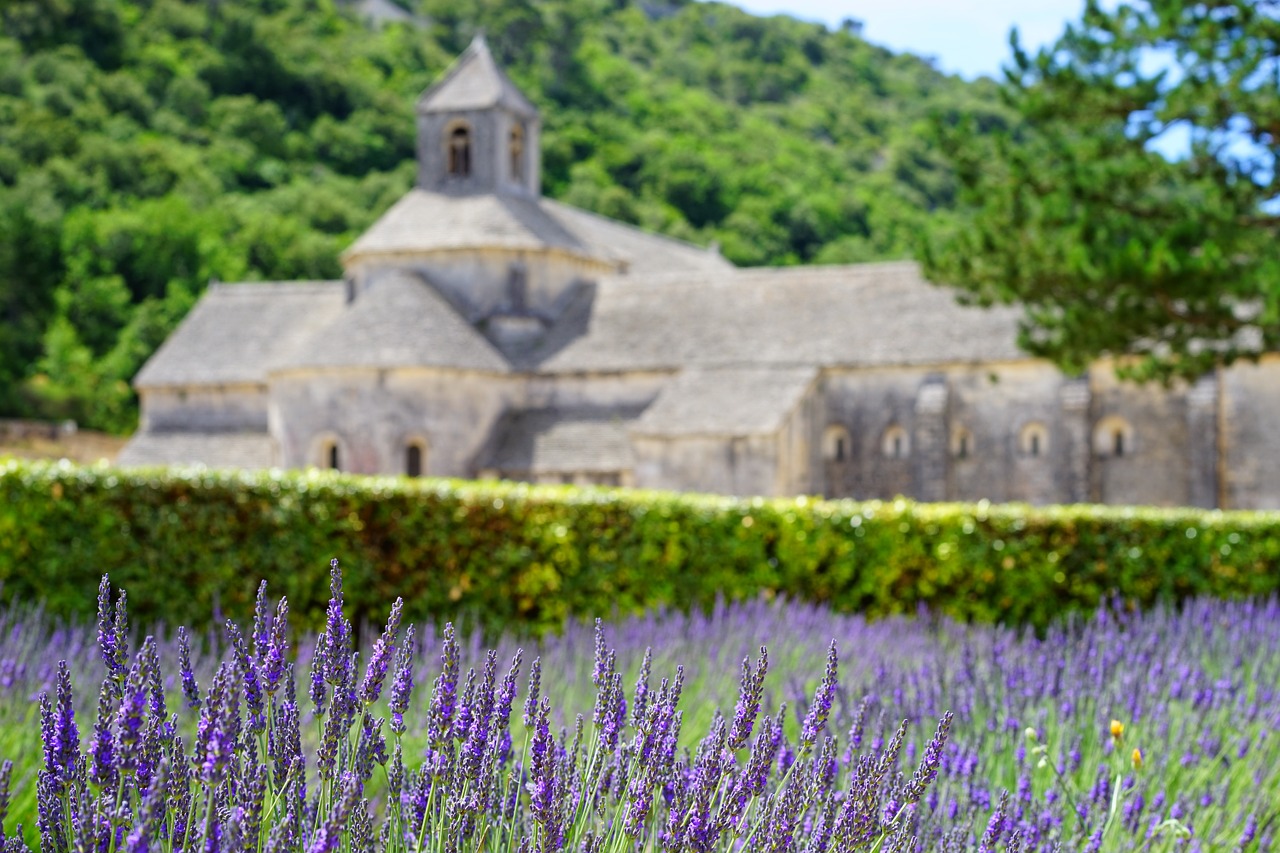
(482,330)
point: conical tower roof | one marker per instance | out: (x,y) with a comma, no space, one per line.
(475,82)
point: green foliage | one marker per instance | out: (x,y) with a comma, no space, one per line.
(147,146)
(1079,214)
(528,558)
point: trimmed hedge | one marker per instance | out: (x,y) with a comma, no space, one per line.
(184,542)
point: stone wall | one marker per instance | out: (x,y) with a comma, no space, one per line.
(1153,466)
(744,465)
(204,408)
(374,414)
(1251,415)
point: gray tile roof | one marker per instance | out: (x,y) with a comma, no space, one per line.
(213,450)
(424,221)
(534,441)
(239,332)
(643,253)
(726,401)
(475,82)
(397,320)
(857,316)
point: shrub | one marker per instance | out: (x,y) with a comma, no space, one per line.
(186,543)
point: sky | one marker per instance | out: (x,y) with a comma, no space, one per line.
(968,37)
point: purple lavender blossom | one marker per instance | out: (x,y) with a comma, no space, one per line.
(274,658)
(112,630)
(219,726)
(253,698)
(62,742)
(337,632)
(190,689)
(820,709)
(149,825)
(599,671)
(261,635)
(640,694)
(535,686)
(932,760)
(750,691)
(380,658)
(103,770)
(444,696)
(130,717)
(402,683)
(995,826)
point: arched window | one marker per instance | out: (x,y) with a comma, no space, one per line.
(1033,440)
(517,153)
(459,151)
(961,443)
(1113,437)
(326,452)
(836,445)
(896,444)
(415,457)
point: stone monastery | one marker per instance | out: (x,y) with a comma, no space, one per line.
(482,330)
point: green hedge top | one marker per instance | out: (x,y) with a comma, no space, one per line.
(186,543)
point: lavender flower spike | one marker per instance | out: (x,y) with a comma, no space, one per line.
(751,690)
(402,683)
(112,630)
(380,658)
(66,743)
(928,769)
(337,631)
(6,774)
(820,710)
(190,689)
(275,657)
(535,687)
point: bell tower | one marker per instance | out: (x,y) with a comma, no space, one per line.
(477,134)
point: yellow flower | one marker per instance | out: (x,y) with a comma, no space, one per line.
(1136,758)
(1117,730)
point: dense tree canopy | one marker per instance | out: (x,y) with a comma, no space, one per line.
(148,146)
(1133,208)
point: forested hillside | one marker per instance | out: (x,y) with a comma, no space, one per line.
(148,146)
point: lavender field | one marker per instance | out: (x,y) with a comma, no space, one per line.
(1123,731)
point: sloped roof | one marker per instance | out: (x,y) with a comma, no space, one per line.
(642,252)
(475,82)
(867,315)
(424,221)
(397,321)
(561,441)
(726,401)
(214,450)
(239,332)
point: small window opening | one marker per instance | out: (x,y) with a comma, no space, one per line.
(331,457)
(413,460)
(1118,442)
(1034,440)
(962,447)
(517,153)
(460,152)
(836,445)
(895,444)
(518,287)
